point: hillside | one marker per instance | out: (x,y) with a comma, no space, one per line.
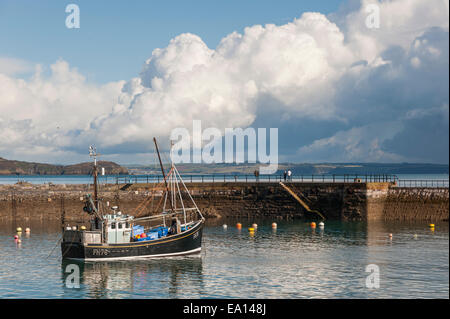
(302,168)
(11,167)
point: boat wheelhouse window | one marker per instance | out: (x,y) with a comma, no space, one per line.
(127,225)
(120,225)
(113,225)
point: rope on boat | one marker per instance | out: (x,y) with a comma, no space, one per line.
(300,201)
(140,208)
(57,242)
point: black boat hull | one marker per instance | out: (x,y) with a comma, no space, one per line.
(185,243)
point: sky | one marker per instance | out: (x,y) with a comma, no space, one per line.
(337,87)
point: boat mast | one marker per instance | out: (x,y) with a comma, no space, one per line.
(93,153)
(172,178)
(174,184)
(162,170)
(98,224)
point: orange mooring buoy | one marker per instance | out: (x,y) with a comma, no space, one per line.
(313,225)
(238,225)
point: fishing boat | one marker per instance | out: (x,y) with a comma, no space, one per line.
(113,235)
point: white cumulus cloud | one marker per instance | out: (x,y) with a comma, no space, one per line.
(316,68)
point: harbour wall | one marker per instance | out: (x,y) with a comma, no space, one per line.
(340,201)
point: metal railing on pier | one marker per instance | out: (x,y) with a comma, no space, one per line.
(423,183)
(250,178)
(302,178)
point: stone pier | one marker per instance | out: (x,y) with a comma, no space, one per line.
(339,201)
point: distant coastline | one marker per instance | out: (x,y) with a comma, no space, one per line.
(302,168)
(21,168)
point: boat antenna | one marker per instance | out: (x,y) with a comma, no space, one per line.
(162,170)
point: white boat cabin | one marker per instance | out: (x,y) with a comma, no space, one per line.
(118,228)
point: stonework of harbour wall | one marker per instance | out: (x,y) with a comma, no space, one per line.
(339,201)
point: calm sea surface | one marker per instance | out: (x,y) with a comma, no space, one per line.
(294,261)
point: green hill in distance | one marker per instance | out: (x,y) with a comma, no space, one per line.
(11,167)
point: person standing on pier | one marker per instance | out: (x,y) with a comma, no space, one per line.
(256,175)
(289,173)
(284,175)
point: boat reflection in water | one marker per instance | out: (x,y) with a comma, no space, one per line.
(147,278)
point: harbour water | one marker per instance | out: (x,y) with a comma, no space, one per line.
(293,261)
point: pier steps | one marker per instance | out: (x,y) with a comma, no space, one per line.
(301,202)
